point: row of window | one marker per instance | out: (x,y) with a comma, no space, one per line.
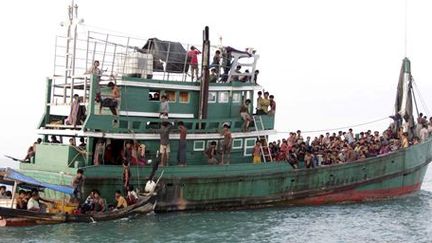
(184,96)
(237,144)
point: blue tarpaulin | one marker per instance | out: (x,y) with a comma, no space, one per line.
(13,175)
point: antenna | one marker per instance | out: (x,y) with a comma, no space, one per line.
(406,28)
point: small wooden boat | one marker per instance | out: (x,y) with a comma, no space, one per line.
(10,216)
(144,205)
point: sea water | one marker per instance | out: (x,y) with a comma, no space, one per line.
(407,219)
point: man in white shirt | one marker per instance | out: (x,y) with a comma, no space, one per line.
(33,202)
(424,133)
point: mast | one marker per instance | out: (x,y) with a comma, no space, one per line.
(404,99)
(70,56)
(204,87)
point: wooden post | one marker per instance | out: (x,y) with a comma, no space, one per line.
(13,193)
(203,105)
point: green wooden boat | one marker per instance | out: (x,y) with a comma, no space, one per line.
(160,67)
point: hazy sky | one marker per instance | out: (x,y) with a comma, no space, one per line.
(329,63)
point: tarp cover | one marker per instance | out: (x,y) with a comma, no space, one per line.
(173,53)
(13,175)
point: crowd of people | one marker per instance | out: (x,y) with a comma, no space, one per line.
(342,147)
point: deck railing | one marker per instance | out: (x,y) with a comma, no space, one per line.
(125,56)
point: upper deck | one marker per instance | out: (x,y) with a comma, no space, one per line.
(144,70)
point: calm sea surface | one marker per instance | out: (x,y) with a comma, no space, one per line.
(402,220)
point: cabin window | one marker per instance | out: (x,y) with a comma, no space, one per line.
(171,95)
(236,97)
(154,95)
(249,144)
(184,97)
(199,145)
(212,97)
(237,143)
(223,97)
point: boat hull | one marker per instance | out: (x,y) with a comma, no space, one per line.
(245,185)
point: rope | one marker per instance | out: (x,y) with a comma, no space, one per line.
(341,128)
(422,101)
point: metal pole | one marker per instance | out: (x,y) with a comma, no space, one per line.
(113,59)
(126,53)
(166,59)
(203,105)
(185,63)
(103,57)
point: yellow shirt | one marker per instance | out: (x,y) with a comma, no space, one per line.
(121,202)
(264,103)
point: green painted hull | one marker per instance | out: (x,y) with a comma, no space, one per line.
(244,185)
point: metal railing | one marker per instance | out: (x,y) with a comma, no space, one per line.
(127,56)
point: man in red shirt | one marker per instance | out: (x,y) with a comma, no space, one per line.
(193,57)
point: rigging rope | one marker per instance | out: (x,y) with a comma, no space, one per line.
(422,101)
(340,128)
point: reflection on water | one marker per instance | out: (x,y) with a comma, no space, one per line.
(406,219)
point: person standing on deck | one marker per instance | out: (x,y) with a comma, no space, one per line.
(164,149)
(164,107)
(259,110)
(272,111)
(265,103)
(193,56)
(77,184)
(226,146)
(126,176)
(181,152)
(244,113)
(256,153)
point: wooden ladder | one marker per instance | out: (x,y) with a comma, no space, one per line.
(259,126)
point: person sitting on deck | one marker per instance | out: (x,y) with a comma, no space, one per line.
(132,196)
(111,102)
(236,75)
(33,203)
(244,113)
(77,184)
(226,145)
(2,192)
(77,112)
(245,78)
(211,154)
(292,159)
(98,202)
(121,201)
(88,204)
(164,107)
(256,153)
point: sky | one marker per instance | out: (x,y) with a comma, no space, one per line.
(329,63)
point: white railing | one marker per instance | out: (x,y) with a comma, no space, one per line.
(125,56)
